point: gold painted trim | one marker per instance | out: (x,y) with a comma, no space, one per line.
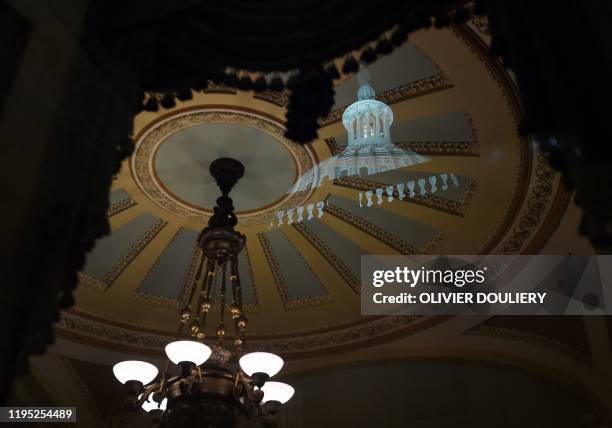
(119,206)
(365,226)
(148,141)
(279,99)
(368,332)
(126,258)
(281,283)
(331,257)
(188,277)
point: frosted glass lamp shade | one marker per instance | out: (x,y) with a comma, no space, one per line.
(277,391)
(151,404)
(188,350)
(134,370)
(261,362)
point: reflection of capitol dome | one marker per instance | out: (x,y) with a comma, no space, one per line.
(369,150)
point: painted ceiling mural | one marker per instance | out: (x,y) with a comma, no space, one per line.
(301,280)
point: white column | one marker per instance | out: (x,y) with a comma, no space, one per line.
(377,124)
(351,131)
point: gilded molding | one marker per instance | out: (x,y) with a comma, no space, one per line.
(431,201)
(537,203)
(341,336)
(107,332)
(362,224)
(440,148)
(148,142)
(126,258)
(219,88)
(90,281)
(281,283)
(277,98)
(481,24)
(446,148)
(331,257)
(432,245)
(498,73)
(119,206)
(188,278)
(414,89)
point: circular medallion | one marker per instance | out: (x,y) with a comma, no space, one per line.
(172,156)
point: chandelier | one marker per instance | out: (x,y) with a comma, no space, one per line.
(202,385)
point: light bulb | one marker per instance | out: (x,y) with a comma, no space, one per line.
(261,362)
(277,391)
(135,370)
(188,350)
(151,404)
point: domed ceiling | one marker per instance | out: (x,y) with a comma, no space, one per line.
(451,103)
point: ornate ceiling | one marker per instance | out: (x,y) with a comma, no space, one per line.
(451,104)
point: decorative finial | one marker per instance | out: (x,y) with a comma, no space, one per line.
(365,91)
(363,76)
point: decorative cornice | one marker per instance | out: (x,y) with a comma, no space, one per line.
(373,330)
(126,258)
(281,283)
(431,201)
(119,206)
(414,89)
(91,328)
(148,141)
(331,257)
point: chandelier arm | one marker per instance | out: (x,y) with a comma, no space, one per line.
(236,282)
(212,270)
(204,300)
(162,380)
(148,390)
(194,283)
(200,266)
(209,268)
(221,330)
